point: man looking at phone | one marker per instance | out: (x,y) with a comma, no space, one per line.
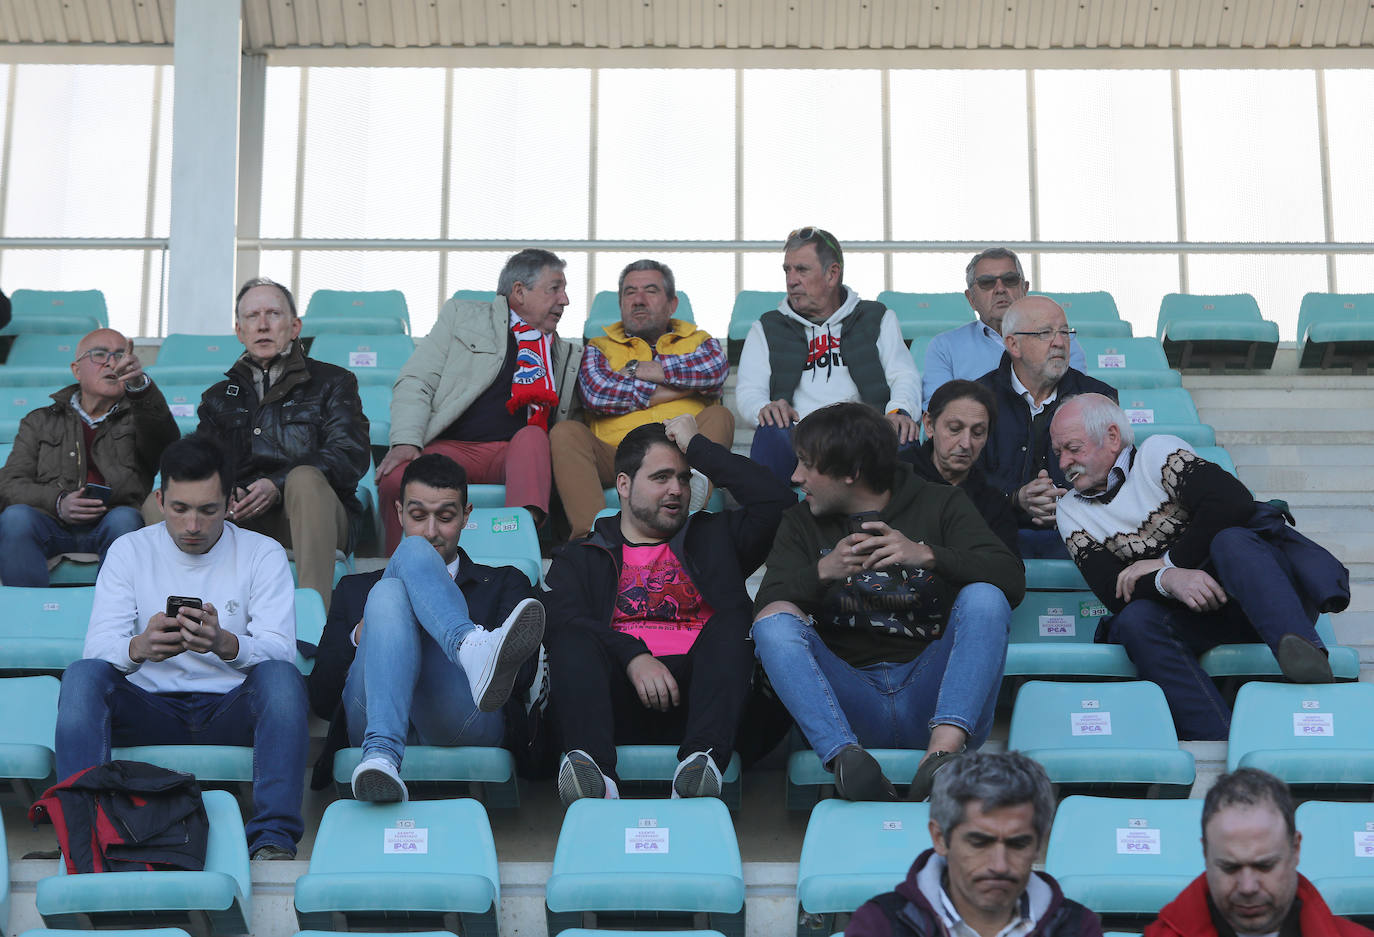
(192,640)
(83,464)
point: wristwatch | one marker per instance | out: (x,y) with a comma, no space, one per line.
(632,368)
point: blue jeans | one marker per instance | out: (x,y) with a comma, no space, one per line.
(404,683)
(28,537)
(1038,543)
(99,708)
(772,448)
(954,681)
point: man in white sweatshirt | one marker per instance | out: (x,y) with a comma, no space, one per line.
(218,670)
(822,345)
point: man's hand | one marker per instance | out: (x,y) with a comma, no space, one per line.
(778,413)
(888,547)
(908,430)
(653,682)
(395,457)
(651,371)
(247,503)
(843,561)
(159,641)
(1038,498)
(1126,579)
(75,509)
(200,631)
(1194,588)
(130,370)
(681,429)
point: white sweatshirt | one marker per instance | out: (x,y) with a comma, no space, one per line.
(828,381)
(244,575)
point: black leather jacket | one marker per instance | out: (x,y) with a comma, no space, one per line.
(311,416)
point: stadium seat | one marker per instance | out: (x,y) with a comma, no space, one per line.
(1336,330)
(1052,636)
(487,774)
(1256,661)
(919,344)
(310,619)
(78,311)
(619,862)
(4,886)
(373,359)
(809,783)
(583,932)
(1310,736)
(503,537)
(1155,411)
(149,932)
(419,864)
(43,629)
(73,569)
(184,402)
(27,744)
(749,305)
(653,766)
(1092,314)
(487,496)
(1218,456)
(378,312)
(343,565)
(221,763)
(1115,738)
(40,361)
(17,403)
(927,314)
(1054,576)
(851,852)
(1125,858)
(216,901)
(377,408)
(370,531)
(1215,332)
(195,360)
(606,311)
(1344,876)
(1129,362)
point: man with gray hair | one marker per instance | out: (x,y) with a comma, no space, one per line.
(485,386)
(1185,560)
(994,281)
(990,816)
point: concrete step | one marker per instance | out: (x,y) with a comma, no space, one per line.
(1355,480)
(1361,599)
(1316,521)
(1314,418)
(1279,397)
(1245,454)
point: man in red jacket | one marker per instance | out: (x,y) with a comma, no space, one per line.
(1252,885)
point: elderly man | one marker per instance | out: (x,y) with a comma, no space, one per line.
(989,818)
(1185,560)
(295,434)
(822,345)
(82,465)
(994,281)
(485,387)
(648,368)
(1032,378)
(1251,885)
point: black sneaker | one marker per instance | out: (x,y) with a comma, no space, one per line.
(1302,661)
(858,776)
(272,852)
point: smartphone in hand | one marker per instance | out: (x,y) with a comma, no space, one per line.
(100,492)
(857,521)
(176,602)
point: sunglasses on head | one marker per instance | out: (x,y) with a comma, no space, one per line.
(812,233)
(988,280)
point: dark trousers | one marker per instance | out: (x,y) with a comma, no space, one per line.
(596,707)
(1164,639)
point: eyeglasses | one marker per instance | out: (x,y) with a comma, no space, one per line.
(99,356)
(812,233)
(1046,335)
(988,280)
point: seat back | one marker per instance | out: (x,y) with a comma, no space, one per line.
(1304,734)
(1344,875)
(1056,618)
(1193,307)
(373,359)
(57,310)
(749,305)
(502,536)
(376,401)
(195,359)
(1075,716)
(17,403)
(927,314)
(43,629)
(50,350)
(356,311)
(27,744)
(1147,405)
(1093,306)
(853,851)
(605,311)
(184,402)
(1333,307)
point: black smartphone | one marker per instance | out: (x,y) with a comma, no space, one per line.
(856,522)
(100,492)
(176,602)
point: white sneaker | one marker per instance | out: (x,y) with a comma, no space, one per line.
(697,776)
(491,659)
(701,492)
(579,777)
(377,781)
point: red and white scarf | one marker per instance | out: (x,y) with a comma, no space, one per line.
(532,385)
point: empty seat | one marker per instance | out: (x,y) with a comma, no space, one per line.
(41,361)
(1125,858)
(1129,362)
(215,901)
(1250,661)
(195,360)
(853,851)
(487,774)
(503,537)
(1311,736)
(1107,737)
(655,764)
(1155,411)
(808,782)
(1338,855)
(927,314)
(1093,314)
(373,359)
(56,311)
(405,866)
(1215,332)
(26,743)
(17,403)
(359,312)
(749,306)
(184,402)
(43,629)
(623,861)
(606,311)
(1052,636)
(1336,330)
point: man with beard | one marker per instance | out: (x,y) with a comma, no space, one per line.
(648,618)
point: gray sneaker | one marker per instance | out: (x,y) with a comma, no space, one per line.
(697,776)
(579,776)
(377,781)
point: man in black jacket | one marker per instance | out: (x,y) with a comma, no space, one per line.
(1032,378)
(648,634)
(296,436)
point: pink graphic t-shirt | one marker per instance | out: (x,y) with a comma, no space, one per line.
(657,601)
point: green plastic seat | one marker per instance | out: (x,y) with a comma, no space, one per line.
(373,359)
(195,360)
(503,537)
(43,629)
(1256,661)
(927,314)
(809,783)
(1129,362)
(1309,736)
(356,312)
(749,306)
(56,311)
(487,496)
(27,747)
(227,763)
(1336,330)
(184,402)
(655,764)
(1218,456)
(1093,314)
(1344,876)
(1155,411)
(310,620)
(606,311)
(1215,332)
(41,361)
(17,403)
(1052,636)
(487,774)
(376,400)
(1054,576)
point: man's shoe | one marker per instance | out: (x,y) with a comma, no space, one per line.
(858,776)
(491,659)
(377,781)
(579,776)
(923,782)
(701,492)
(272,852)
(696,776)
(1302,661)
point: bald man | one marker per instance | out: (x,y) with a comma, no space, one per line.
(82,465)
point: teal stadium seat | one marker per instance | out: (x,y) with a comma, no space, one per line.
(1125,858)
(1111,738)
(79,311)
(27,748)
(377,408)
(184,402)
(927,314)
(4,886)
(1336,330)
(42,361)
(1344,875)
(150,932)
(851,852)
(749,306)
(622,862)
(1216,332)
(377,312)
(1052,636)
(310,619)
(1093,314)
(194,360)
(216,901)
(1129,362)
(809,783)
(1054,576)
(1155,411)
(369,534)
(652,766)
(43,630)
(583,932)
(606,311)
(403,866)
(918,347)
(487,496)
(487,774)
(343,565)
(1314,736)
(17,403)
(373,359)
(1218,456)
(1256,662)
(503,537)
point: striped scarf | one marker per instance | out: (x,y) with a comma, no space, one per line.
(532,386)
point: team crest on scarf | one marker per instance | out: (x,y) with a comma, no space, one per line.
(532,385)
